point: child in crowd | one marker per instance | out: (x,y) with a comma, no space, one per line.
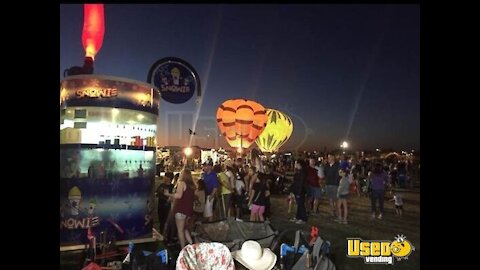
(397,198)
(199,202)
(342,194)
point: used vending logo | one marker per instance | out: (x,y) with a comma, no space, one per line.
(380,251)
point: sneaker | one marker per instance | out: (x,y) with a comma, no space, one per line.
(237,219)
(293,220)
(300,222)
(338,220)
(380,216)
(373,216)
(344,221)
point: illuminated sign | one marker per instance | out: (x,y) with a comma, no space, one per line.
(96,93)
(108,91)
(176,79)
(75,223)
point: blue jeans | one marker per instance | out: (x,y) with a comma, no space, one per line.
(301,211)
(380,196)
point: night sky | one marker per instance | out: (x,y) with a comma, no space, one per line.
(342,72)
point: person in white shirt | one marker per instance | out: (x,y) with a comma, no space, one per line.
(321,176)
(397,198)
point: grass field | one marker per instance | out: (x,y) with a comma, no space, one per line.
(359,225)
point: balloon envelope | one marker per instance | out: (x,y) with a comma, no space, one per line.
(278,130)
(93,29)
(241,121)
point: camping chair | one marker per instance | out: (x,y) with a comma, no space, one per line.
(312,256)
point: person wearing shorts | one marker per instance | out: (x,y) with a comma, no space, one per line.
(258,210)
(183,205)
(331,191)
(313,188)
(258,197)
(332,180)
(397,197)
(342,195)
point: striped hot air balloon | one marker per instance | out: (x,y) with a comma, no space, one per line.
(278,130)
(241,121)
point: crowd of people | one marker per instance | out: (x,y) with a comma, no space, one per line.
(337,180)
(240,190)
(230,189)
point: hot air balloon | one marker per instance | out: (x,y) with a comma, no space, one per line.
(92,38)
(241,121)
(93,29)
(278,130)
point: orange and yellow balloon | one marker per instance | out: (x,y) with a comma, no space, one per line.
(278,130)
(241,121)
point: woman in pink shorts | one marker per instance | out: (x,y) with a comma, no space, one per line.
(258,195)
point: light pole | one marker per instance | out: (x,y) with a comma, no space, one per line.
(187,151)
(344,146)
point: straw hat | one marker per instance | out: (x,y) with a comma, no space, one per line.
(254,257)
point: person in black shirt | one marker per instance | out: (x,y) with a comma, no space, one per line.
(332,179)
(257,199)
(299,189)
(269,179)
(238,167)
(163,207)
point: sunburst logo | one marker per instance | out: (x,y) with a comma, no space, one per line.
(401,248)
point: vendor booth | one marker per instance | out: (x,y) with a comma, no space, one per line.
(108,127)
